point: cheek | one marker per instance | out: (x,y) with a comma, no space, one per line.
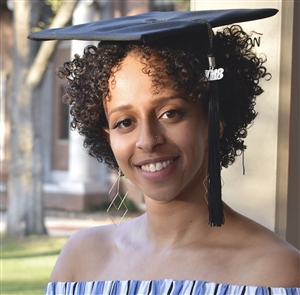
(195,142)
(192,135)
(116,145)
(121,147)
(197,145)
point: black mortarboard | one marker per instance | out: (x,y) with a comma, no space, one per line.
(153,26)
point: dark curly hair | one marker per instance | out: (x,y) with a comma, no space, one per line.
(184,60)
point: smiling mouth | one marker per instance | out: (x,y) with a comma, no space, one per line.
(154,167)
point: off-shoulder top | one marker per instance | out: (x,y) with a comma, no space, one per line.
(161,287)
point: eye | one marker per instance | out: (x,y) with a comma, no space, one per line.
(123,124)
(171,114)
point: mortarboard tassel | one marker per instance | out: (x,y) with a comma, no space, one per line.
(215,205)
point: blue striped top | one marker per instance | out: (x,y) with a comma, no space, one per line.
(160,287)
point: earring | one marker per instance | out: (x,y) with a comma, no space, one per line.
(205,187)
(117,201)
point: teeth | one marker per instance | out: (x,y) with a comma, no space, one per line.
(153,167)
(159,166)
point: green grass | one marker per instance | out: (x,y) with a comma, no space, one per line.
(26,263)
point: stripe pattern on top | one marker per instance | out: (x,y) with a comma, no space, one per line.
(160,287)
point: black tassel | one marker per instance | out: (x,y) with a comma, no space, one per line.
(215,205)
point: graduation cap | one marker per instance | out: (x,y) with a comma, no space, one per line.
(152,26)
(155,26)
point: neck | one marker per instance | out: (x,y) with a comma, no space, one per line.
(178,221)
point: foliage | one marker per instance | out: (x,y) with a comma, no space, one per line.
(103,206)
(27,263)
(55,5)
(47,18)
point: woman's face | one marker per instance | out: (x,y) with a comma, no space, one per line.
(159,139)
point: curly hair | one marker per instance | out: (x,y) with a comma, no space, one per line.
(184,60)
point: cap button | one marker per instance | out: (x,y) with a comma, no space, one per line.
(150,21)
(153,21)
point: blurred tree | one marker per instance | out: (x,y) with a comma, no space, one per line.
(25,207)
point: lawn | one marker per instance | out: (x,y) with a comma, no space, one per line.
(26,263)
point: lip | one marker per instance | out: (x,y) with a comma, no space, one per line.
(155,160)
(161,175)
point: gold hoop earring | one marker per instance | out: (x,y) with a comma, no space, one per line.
(117,201)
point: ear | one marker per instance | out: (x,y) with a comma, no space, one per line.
(107,134)
(222,127)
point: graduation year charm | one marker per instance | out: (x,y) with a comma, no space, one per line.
(213,74)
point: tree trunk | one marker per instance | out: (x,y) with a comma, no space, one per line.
(25,207)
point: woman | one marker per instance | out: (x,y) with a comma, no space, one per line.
(150,110)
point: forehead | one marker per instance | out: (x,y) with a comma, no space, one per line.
(130,68)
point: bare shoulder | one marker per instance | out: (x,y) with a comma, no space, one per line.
(279,262)
(273,261)
(82,250)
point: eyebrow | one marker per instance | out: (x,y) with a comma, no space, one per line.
(121,108)
(126,107)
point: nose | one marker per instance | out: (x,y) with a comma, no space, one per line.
(150,136)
